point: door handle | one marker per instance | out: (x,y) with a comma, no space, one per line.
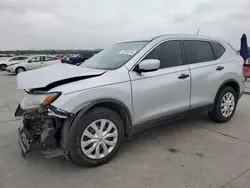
(183,76)
(219,68)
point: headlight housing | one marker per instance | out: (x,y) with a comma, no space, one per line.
(31,101)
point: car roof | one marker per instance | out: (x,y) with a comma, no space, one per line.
(187,36)
(40,55)
(179,36)
(19,56)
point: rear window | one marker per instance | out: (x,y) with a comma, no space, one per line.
(219,50)
(15,59)
(19,58)
(23,58)
(198,51)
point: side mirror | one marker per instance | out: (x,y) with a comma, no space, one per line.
(148,65)
(29,61)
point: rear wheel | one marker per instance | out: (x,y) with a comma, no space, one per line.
(225,105)
(96,137)
(3,67)
(20,69)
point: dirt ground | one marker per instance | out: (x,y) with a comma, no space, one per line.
(193,152)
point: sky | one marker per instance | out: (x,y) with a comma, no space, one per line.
(94,24)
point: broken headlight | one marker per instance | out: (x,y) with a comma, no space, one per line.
(31,101)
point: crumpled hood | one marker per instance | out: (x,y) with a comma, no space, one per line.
(43,77)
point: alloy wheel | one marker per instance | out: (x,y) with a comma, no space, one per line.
(99,139)
(20,70)
(227,104)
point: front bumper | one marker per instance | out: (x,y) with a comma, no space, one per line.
(9,69)
(43,130)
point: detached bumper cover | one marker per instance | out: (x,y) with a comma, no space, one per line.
(19,111)
(23,142)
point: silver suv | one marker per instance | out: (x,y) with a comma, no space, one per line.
(85,112)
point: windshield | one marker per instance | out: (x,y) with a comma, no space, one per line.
(115,56)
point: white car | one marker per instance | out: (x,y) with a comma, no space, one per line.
(34,62)
(11,61)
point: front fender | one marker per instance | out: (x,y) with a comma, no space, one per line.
(75,101)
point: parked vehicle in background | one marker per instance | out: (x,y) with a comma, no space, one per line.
(86,111)
(11,61)
(31,63)
(78,59)
(58,57)
(65,58)
(6,55)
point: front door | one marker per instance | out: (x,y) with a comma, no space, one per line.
(163,92)
(34,63)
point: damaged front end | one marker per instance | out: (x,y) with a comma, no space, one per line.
(42,124)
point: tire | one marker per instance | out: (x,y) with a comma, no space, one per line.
(3,67)
(77,132)
(20,69)
(217,113)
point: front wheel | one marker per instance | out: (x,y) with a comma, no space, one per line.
(19,70)
(225,105)
(3,67)
(96,137)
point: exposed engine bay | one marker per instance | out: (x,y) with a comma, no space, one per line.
(42,128)
(43,123)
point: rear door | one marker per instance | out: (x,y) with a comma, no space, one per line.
(164,92)
(48,60)
(206,68)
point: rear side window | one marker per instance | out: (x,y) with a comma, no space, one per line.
(168,53)
(219,50)
(198,51)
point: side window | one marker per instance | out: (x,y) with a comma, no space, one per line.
(35,59)
(48,58)
(169,54)
(198,51)
(218,49)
